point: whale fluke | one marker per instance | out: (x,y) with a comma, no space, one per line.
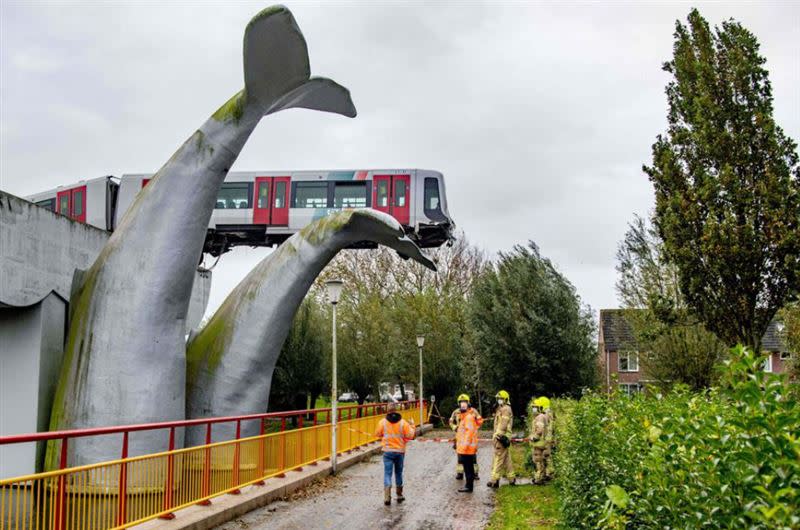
(125,358)
(231,359)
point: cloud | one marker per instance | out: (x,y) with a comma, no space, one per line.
(539,115)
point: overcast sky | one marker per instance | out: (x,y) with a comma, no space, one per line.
(540,116)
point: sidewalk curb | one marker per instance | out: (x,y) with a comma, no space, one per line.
(228,507)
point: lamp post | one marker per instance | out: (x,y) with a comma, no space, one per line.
(420,344)
(334,288)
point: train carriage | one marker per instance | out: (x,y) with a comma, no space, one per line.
(258,208)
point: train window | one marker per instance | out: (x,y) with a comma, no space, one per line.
(431,194)
(63,205)
(49,204)
(280,194)
(77,203)
(311,195)
(350,195)
(234,195)
(382,195)
(263,194)
(400,193)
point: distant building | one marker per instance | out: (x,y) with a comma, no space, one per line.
(618,353)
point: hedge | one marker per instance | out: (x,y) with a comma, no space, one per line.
(725,458)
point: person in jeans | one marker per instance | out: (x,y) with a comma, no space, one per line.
(394,433)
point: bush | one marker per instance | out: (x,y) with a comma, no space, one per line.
(726,458)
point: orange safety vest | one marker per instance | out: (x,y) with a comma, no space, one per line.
(394,436)
(467,433)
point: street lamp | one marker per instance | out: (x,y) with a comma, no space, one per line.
(334,288)
(420,344)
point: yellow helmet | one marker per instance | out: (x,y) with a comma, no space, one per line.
(542,402)
(463,397)
(503,395)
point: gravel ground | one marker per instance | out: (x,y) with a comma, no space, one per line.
(354,499)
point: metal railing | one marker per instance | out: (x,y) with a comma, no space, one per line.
(132,490)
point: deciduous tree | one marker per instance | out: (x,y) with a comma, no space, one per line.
(727,183)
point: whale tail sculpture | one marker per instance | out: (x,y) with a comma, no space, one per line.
(125,358)
(231,360)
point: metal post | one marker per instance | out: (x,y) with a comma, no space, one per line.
(334,397)
(420,390)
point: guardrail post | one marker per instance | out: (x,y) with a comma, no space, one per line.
(123,483)
(207,469)
(62,487)
(236,452)
(301,436)
(168,485)
(282,452)
(260,469)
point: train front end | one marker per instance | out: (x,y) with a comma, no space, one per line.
(434,226)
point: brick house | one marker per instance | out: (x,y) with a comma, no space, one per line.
(618,354)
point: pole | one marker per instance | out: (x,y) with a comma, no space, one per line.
(420,390)
(334,397)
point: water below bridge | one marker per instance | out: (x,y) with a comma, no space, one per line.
(354,499)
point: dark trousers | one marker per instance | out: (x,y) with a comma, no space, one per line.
(468,461)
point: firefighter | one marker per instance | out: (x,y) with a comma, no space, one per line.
(394,433)
(469,421)
(538,436)
(549,437)
(454,426)
(503,421)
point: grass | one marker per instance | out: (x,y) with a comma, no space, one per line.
(525,506)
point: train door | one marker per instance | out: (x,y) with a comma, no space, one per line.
(271,201)
(72,203)
(390,194)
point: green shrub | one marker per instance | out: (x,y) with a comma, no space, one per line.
(727,458)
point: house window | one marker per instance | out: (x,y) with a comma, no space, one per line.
(630,388)
(768,363)
(628,362)
(233,196)
(785,356)
(311,195)
(350,195)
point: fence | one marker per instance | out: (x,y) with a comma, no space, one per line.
(132,490)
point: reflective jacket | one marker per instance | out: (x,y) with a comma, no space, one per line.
(467,433)
(539,429)
(394,433)
(503,420)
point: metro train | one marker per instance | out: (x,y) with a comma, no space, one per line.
(258,208)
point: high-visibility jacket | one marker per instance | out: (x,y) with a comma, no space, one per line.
(467,433)
(539,429)
(394,436)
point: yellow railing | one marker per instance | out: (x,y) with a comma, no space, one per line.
(130,491)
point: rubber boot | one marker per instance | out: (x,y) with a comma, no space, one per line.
(400,497)
(465,490)
(387,496)
(493,483)
(459,476)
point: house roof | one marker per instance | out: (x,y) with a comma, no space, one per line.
(617,333)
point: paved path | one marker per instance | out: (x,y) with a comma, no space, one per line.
(354,499)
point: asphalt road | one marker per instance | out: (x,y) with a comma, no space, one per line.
(354,499)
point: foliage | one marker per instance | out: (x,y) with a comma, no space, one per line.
(727,183)
(525,507)
(531,333)
(791,334)
(724,458)
(674,346)
(302,371)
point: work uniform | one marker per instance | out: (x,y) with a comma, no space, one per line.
(538,435)
(454,426)
(549,438)
(503,422)
(467,443)
(394,433)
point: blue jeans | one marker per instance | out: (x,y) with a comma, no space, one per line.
(393,460)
